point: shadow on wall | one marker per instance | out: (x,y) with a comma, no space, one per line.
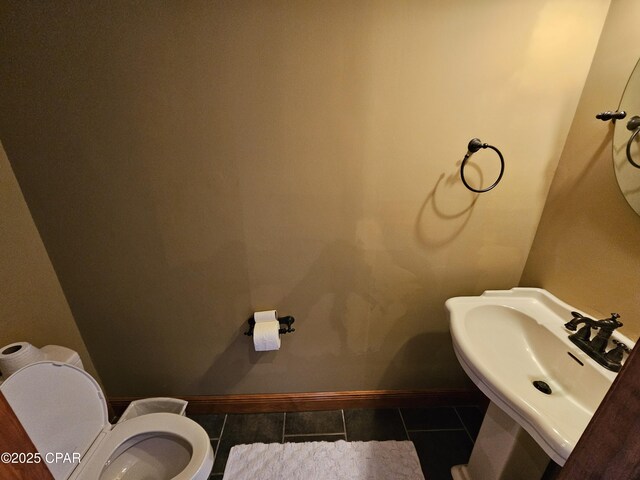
(596,155)
(340,273)
(446,210)
(434,354)
(347,315)
(238,358)
(594,159)
(422,355)
(343,319)
(173,322)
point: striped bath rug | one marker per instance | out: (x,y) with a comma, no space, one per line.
(324,461)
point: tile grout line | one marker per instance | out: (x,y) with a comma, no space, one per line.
(464,426)
(344,426)
(313,434)
(284,424)
(224,422)
(404,425)
(437,430)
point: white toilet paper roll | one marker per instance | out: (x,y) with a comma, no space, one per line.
(266,336)
(17,355)
(266,316)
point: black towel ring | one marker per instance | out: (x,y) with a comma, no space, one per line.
(633,124)
(476,144)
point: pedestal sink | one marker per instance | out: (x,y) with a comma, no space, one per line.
(543,388)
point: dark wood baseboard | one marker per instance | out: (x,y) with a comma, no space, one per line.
(300,402)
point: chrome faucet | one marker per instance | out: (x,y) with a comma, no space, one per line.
(596,347)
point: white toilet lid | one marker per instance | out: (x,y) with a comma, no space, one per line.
(61,407)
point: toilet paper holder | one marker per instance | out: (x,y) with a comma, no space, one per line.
(285,325)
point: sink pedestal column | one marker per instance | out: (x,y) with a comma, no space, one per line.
(502,451)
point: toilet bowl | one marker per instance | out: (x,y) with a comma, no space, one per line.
(64,412)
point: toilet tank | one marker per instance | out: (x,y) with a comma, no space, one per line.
(57,353)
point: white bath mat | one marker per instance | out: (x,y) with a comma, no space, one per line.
(324,461)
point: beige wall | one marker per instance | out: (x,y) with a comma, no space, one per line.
(32,305)
(189,163)
(587,248)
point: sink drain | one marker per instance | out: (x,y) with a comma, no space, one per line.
(542,386)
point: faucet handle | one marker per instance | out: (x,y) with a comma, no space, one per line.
(615,354)
(621,346)
(615,323)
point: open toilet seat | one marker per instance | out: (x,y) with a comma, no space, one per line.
(132,433)
(63,410)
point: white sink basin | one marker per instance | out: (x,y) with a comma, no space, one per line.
(506,340)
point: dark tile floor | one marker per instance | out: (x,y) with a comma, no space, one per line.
(443,436)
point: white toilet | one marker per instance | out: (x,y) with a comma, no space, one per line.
(64,412)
